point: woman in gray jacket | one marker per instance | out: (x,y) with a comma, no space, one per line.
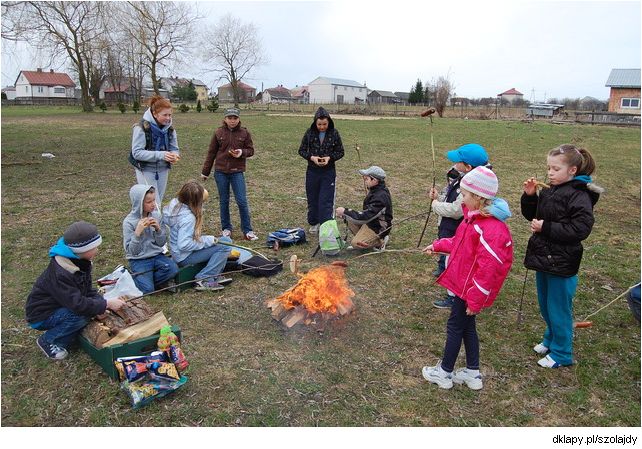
(154,146)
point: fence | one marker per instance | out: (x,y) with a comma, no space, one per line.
(36,101)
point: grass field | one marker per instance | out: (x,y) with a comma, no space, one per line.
(364,370)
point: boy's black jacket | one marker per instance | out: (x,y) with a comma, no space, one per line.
(62,286)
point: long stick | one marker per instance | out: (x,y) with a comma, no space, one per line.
(604,307)
(521,299)
(434,180)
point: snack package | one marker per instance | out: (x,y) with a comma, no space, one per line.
(135,367)
(142,393)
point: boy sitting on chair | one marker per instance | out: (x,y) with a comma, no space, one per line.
(372,225)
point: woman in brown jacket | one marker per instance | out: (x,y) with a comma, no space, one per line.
(231,144)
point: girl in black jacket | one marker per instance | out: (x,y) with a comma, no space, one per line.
(561,217)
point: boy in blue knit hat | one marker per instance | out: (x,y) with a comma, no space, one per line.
(448,205)
(62,300)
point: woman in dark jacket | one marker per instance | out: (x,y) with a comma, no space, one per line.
(321,147)
(561,217)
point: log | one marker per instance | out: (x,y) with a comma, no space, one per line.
(97,333)
(135,311)
(294,316)
(345,307)
(279,311)
(140,330)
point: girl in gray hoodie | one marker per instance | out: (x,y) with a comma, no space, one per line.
(143,239)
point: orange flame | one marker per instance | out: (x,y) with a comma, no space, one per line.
(322,289)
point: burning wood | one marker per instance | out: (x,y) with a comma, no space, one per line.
(322,293)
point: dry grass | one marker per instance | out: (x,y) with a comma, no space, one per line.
(363,371)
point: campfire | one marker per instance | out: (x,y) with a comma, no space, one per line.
(320,295)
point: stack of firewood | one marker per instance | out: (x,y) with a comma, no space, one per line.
(134,320)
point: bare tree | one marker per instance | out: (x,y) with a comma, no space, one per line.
(441,91)
(235,50)
(164,30)
(62,28)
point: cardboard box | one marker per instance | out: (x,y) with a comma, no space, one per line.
(105,357)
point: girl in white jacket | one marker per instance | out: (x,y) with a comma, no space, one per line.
(184,216)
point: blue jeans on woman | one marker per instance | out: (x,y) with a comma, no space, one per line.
(460,327)
(153,271)
(215,256)
(62,326)
(237,181)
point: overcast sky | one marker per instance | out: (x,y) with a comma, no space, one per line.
(552,49)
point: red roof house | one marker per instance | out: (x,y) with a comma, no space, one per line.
(42,84)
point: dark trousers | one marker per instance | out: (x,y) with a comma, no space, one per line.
(320,191)
(460,327)
(62,326)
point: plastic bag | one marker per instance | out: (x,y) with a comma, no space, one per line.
(124,285)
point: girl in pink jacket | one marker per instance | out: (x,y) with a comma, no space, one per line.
(481,255)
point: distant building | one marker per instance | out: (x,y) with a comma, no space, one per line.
(247,93)
(300,94)
(625,91)
(44,85)
(403,96)
(10,92)
(336,90)
(382,96)
(123,91)
(511,95)
(278,94)
(200,87)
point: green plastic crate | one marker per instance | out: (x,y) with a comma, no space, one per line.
(105,357)
(187,273)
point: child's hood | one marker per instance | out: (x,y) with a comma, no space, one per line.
(499,209)
(175,211)
(137,197)
(592,189)
(61,249)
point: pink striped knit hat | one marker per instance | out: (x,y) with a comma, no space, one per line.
(481,181)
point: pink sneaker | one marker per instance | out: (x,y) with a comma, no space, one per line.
(251,236)
(226,233)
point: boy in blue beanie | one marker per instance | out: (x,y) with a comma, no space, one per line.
(62,300)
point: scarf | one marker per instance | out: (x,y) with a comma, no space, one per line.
(160,137)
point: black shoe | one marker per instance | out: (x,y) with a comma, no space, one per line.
(224,281)
(445,303)
(52,351)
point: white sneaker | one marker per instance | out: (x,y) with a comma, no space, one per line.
(314,229)
(226,233)
(540,349)
(465,376)
(548,362)
(251,236)
(436,375)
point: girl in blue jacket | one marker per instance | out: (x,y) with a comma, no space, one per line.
(184,216)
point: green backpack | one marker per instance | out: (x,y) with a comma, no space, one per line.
(330,240)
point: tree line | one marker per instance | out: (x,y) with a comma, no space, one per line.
(132,41)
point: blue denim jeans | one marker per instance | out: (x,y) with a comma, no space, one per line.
(215,256)
(153,272)
(62,326)
(237,181)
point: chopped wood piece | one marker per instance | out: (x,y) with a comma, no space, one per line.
(345,308)
(140,330)
(279,311)
(294,316)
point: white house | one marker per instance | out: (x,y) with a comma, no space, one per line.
(511,95)
(40,84)
(335,90)
(10,92)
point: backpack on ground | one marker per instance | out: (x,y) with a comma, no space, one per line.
(330,240)
(286,237)
(258,266)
